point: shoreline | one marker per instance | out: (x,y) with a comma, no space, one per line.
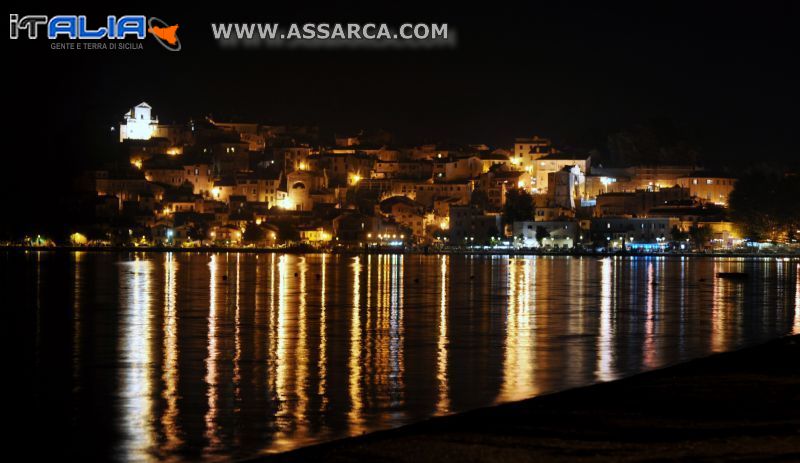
(306,250)
(742,404)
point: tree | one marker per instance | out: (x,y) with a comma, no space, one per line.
(677,234)
(287,232)
(253,234)
(658,141)
(492,233)
(765,205)
(700,236)
(541,233)
(518,207)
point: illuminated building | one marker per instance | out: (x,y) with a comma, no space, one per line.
(419,170)
(470,226)
(457,169)
(314,235)
(554,162)
(621,232)
(248,132)
(138,123)
(165,174)
(201,178)
(428,192)
(225,234)
(260,186)
(354,227)
(496,182)
(341,167)
(528,150)
(405,212)
(564,186)
(709,187)
(656,177)
(301,186)
(489,160)
(637,203)
(230,157)
(550,234)
(295,157)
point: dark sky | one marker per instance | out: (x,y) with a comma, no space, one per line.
(722,69)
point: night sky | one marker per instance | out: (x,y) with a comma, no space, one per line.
(723,71)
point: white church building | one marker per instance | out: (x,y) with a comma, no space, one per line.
(138,123)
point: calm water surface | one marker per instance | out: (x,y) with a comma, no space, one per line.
(139,357)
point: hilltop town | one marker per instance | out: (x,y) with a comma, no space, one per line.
(207,183)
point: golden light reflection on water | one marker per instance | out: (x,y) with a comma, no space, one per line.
(136,387)
(266,353)
(721,287)
(169,419)
(397,333)
(520,343)
(301,353)
(285,365)
(322,365)
(354,363)
(272,347)
(650,315)
(797,301)
(211,427)
(605,348)
(443,400)
(237,335)
(385,339)
(77,283)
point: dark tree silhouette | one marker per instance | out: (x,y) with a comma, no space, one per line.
(518,207)
(765,205)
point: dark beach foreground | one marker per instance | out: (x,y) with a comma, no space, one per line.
(735,406)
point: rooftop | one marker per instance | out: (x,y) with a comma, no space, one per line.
(566,157)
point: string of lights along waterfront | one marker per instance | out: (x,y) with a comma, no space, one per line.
(213,356)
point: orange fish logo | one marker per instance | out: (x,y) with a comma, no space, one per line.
(165,34)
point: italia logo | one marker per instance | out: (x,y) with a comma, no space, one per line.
(76,27)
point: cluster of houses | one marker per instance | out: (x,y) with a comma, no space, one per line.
(208,182)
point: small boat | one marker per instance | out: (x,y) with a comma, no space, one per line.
(732,275)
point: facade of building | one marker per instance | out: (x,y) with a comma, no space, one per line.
(622,232)
(457,169)
(709,187)
(138,123)
(200,176)
(564,234)
(555,162)
(656,177)
(529,150)
(565,185)
(418,170)
(469,226)
(427,192)
(637,203)
(407,213)
(300,187)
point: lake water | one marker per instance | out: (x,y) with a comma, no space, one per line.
(175,356)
